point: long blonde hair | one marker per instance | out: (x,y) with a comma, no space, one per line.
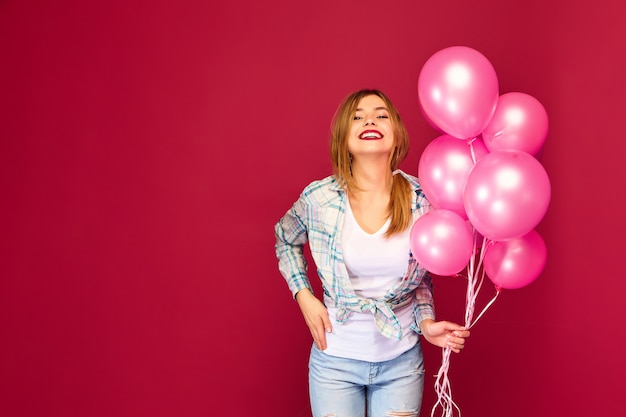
(400,200)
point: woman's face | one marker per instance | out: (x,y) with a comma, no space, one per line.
(371,132)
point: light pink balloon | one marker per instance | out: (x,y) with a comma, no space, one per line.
(443,168)
(442,242)
(458,91)
(520,122)
(517,262)
(506,195)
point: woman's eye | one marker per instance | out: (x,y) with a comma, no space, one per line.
(357,118)
(383,116)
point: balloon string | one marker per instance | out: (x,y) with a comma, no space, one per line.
(470,142)
(442,383)
(498,291)
(474,286)
(443,388)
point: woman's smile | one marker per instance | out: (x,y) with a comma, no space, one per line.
(371,135)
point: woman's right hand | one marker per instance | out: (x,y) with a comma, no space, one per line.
(316,317)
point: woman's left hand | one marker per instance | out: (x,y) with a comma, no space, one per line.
(444,334)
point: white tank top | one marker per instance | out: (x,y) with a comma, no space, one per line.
(375,264)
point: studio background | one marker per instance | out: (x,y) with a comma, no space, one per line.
(147,148)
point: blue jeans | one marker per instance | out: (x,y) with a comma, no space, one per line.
(340,387)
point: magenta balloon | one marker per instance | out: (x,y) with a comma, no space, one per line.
(520,122)
(517,262)
(443,168)
(506,194)
(442,242)
(458,91)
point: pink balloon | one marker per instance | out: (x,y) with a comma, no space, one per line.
(442,242)
(520,122)
(443,168)
(517,262)
(458,91)
(506,194)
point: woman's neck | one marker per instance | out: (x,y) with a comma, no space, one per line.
(372,178)
(370,198)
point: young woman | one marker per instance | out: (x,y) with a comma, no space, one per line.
(366,356)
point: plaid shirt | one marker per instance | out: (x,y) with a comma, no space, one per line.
(317,218)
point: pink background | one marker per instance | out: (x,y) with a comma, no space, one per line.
(148,148)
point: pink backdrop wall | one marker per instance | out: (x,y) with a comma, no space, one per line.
(147,149)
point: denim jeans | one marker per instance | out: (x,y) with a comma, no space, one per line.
(340,387)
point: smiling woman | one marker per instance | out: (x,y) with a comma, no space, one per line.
(377,300)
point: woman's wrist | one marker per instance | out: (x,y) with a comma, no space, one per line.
(425,323)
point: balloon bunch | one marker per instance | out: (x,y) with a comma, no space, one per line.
(482,176)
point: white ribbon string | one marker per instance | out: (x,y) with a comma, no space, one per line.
(442,383)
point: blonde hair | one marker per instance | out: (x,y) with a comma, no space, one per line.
(400,200)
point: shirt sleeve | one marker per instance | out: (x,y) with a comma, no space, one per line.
(291,236)
(424,306)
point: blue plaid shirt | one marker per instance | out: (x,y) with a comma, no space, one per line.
(317,218)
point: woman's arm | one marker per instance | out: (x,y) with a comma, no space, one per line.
(291,236)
